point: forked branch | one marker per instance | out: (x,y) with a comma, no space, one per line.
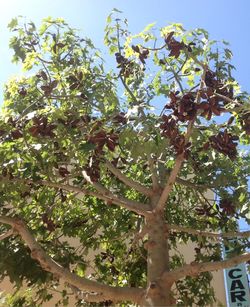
(104,292)
(174,173)
(180,158)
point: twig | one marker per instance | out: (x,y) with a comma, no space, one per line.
(228,99)
(6,234)
(155,49)
(123,81)
(177,79)
(190,184)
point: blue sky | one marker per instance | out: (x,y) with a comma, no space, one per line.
(228,20)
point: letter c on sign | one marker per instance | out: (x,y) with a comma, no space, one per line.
(231,274)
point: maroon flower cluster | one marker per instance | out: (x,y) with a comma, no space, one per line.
(210,79)
(75,80)
(63,171)
(41,127)
(212,104)
(99,139)
(22,91)
(227,206)
(16,132)
(48,222)
(224,142)
(169,127)
(217,85)
(126,66)
(102,138)
(174,46)
(184,107)
(143,53)
(120,118)
(170,130)
(93,168)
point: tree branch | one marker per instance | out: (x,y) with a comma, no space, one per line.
(108,197)
(99,187)
(155,49)
(194,269)
(243,234)
(180,158)
(49,265)
(154,177)
(128,90)
(129,182)
(227,99)
(176,77)
(174,173)
(137,207)
(190,184)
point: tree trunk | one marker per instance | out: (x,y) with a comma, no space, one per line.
(157,262)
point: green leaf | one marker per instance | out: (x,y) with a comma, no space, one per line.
(149,27)
(87,147)
(109,18)
(116,10)
(13,23)
(228,53)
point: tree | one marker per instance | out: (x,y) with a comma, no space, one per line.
(131,161)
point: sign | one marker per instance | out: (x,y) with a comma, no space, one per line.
(237,285)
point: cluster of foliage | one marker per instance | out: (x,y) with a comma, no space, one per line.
(68,121)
